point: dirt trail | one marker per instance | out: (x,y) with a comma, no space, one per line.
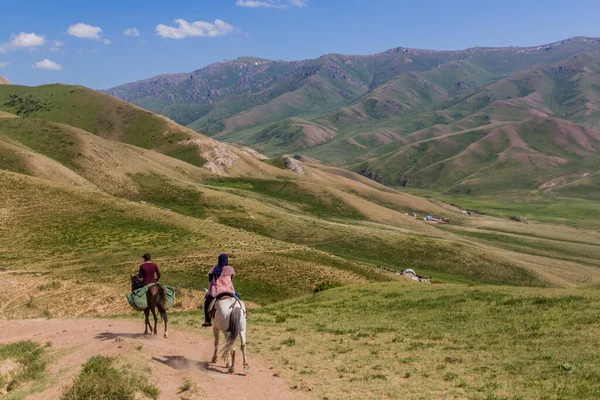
(182,356)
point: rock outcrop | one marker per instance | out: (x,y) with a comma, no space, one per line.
(293,165)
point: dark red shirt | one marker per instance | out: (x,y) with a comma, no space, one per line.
(147,271)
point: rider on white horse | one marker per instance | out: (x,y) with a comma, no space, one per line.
(221,283)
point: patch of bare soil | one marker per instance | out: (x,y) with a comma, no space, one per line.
(183,356)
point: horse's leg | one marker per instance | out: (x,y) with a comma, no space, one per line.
(244,355)
(155,320)
(232,366)
(147,321)
(216,334)
(163,315)
(228,355)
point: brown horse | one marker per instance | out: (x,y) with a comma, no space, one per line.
(156,297)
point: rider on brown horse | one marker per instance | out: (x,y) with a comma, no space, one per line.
(156,295)
(148,270)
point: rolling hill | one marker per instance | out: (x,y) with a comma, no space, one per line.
(449,121)
(88,183)
(86,178)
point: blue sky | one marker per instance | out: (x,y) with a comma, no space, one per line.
(84,43)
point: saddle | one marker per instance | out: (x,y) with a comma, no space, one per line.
(212,309)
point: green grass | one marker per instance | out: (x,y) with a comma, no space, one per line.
(187,153)
(99,379)
(42,136)
(282,134)
(276,162)
(12,162)
(432,341)
(265,278)
(91,111)
(554,249)
(323,204)
(30,357)
(158,190)
(78,225)
(526,205)
(438,258)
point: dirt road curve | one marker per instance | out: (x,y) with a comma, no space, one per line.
(182,356)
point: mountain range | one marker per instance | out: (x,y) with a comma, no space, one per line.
(469,121)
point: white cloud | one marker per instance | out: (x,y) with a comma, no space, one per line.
(47,64)
(27,40)
(57,45)
(85,31)
(23,41)
(199,28)
(131,32)
(270,3)
(4,64)
(106,41)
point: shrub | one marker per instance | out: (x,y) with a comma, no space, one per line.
(99,380)
(325,286)
(280,318)
(49,286)
(30,356)
(187,385)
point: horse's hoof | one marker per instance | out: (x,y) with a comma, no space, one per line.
(246,368)
(230,370)
(166,336)
(214,360)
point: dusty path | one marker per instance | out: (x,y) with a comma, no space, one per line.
(182,356)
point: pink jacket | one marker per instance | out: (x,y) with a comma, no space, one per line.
(224,284)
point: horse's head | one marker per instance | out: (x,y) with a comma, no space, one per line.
(136,282)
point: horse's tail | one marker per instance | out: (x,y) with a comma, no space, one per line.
(162,302)
(235,327)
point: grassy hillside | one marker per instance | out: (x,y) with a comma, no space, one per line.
(408,341)
(73,199)
(113,119)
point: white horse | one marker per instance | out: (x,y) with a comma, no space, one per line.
(230,318)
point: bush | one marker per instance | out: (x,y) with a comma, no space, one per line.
(54,285)
(325,286)
(187,385)
(99,380)
(30,356)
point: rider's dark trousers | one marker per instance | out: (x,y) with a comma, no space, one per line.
(207,302)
